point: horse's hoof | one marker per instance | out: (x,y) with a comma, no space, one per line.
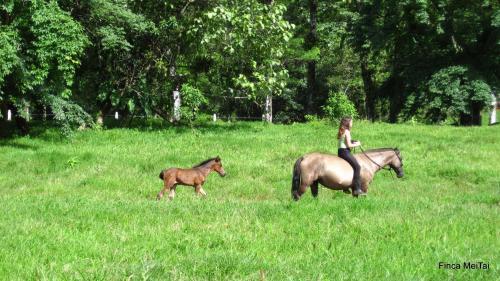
(357,192)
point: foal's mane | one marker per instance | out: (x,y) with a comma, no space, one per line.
(204,162)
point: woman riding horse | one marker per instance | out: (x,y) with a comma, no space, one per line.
(344,152)
(345,170)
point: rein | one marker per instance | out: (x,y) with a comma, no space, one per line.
(383,168)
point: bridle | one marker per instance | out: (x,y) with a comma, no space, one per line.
(383,168)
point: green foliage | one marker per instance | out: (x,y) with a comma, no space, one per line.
(72,162)
(454,91)
(106,55)
(248,39)
(40,50)
(113,38)
(412,40)
(9,45)
(192,101)
(68,115)
(310,118)
(338,106)
(58,43)
(313,54)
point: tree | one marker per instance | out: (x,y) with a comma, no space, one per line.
(402,44)
(42,49)
(455,92)
(311,46)
(245,44)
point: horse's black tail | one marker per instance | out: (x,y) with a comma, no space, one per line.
(296,179)
(161,175)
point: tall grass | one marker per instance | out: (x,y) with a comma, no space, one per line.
(85,208)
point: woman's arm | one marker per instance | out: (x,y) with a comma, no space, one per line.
(348,140)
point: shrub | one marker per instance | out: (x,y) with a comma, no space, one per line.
(192,100)
(337,106)
(456,92)
(68,115)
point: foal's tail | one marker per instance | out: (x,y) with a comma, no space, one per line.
(296,179)
(161,175)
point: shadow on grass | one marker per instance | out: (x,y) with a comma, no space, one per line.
(14,144)
(49,130)
(198,126)
(42,130)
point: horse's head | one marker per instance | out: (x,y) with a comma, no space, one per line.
(397,163)
(217,166)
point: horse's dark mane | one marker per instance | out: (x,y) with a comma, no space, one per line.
(204,162)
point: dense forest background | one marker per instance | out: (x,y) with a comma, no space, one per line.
(77,61)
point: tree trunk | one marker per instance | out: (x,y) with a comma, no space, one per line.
(472,119)
(367,76)
(28,114)
(311,42)
(103,110)
(269,109)
(476,114)
(100,118)
(396,98)
(21,123)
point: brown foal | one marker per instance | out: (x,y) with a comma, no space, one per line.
(195,177)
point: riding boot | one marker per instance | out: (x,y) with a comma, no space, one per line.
(356,190)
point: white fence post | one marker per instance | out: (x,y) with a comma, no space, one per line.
(116,115)
(214,117)
(269,109)
(177,104)
(493,114)
(9,115)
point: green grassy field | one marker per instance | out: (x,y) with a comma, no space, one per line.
(85,208)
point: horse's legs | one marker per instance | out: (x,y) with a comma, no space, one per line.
(202,191)
(199,190)
(364,186)
(314,189)
(303,188)
(167,185)
(365,182)
(171,194)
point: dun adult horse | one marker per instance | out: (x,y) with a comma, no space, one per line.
(195,177)
(335,173)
